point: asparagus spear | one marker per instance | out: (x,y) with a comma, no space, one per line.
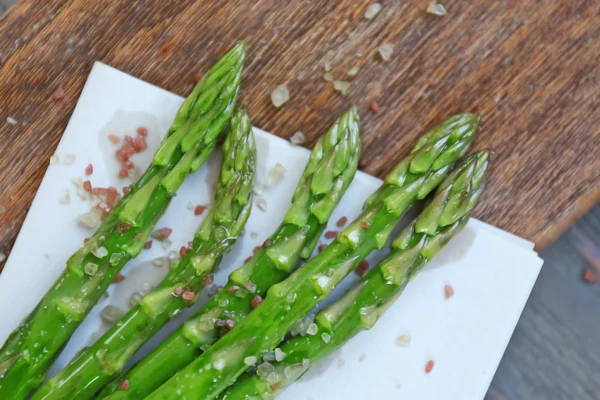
(361,307)
(96,365)
(329,171)
(288,301)
(31,348)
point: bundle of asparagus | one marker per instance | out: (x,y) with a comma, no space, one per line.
(330,169)
(30,350)
(245,323)
(362,306)
(288,301)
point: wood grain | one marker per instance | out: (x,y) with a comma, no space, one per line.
(530,68)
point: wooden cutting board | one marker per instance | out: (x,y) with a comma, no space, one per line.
(529,68)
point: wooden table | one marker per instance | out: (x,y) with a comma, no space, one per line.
(529,68)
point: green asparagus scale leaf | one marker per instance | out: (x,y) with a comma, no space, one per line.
(288,301)
(30,350)
(101,362)
(361,307)
(318,192)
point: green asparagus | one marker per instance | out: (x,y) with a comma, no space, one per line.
(96,365)
(30,350)
(286,302)
(361,307)
(329,171)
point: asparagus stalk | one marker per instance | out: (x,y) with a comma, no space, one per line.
(361,307)
(330,169)
(30,350)
(288,301)
(98,364)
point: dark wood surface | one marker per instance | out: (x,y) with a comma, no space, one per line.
(530,68)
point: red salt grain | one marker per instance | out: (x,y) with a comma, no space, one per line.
(124,227)
(590,276)
(365,224)
(429,366)
(128,164)
(230,324)
(197,77)
(126,190)
(142,131)
(342,221)
(123,173)
(124,385)
(188,295)
(183,251)
(104,207)
(139,144)
(362,164)
(199,209)
(322,247)
(374,106)
(148,244)
(448,291)
(119,278)
(114,139)
(165,232)
(208,279)
(256,301)
(331,234)
(111,194)
(129,140)
(89,169)
(87,186)
(58,94)
(362,268)
(166,48)
(99,191)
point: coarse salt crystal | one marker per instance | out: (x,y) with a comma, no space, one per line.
(385,51)
(279,354)
(435,8)
(53,159)
(403,340)
(158,262)
(253,235)
(341,86)
(69,159)
(190,206)
(2,257)
(328,76)
(11,121)
(112,314)
(249,361)
(261,204)
(275,174)
(280,95)
(65,198)
(353,71)
(312,329)
(100,252)
(373,10)
(298,138)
